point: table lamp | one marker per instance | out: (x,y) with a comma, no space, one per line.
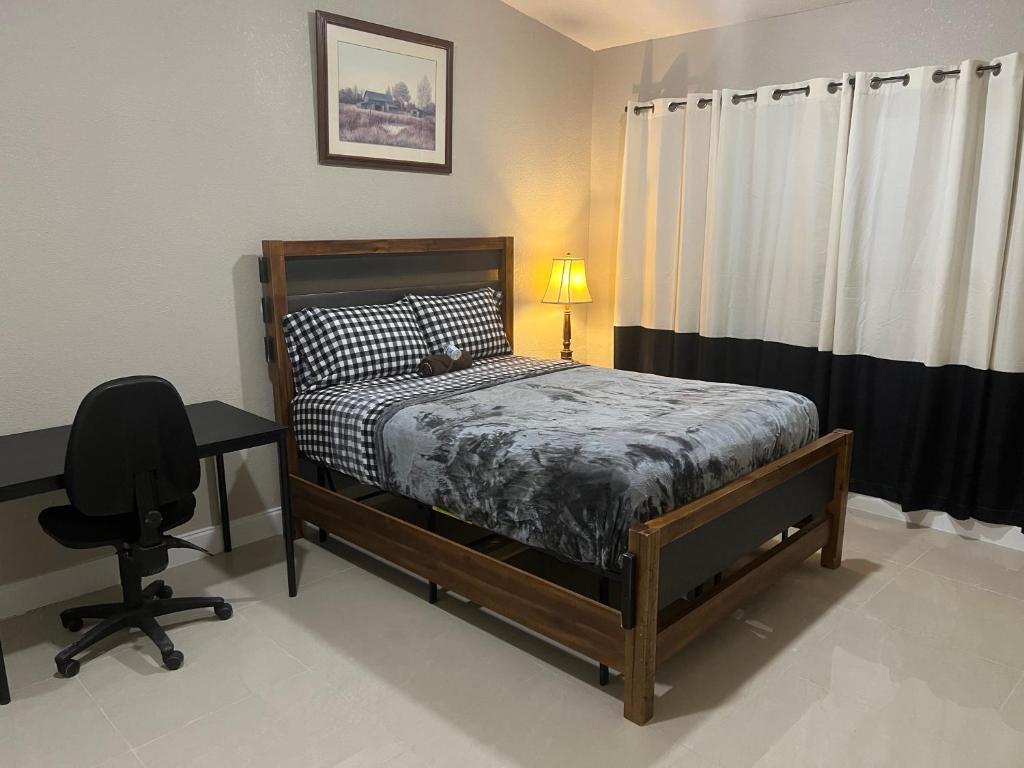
(567,286)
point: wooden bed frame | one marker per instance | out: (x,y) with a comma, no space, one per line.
(676,579)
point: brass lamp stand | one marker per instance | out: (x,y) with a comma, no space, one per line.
(567,286)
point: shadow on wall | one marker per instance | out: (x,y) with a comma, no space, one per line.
(675,82)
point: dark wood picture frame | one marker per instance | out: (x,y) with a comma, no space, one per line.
(731,543)
(325,103)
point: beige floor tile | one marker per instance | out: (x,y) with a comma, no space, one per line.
(963,617)
(999,569)
(301,721)
(127,760)
(225,661)
(739,733)
(54,724)
(254,572)
(394,754)
(354,612)
(1013,708)
(858,580)
(910,728)
(867,660)
(877,538)
(876,664)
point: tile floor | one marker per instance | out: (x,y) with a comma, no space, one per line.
(911,655)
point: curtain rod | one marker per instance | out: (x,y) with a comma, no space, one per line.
(938,76)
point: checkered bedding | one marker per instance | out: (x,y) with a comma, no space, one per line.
(470,321)
(338,426)
(338,345)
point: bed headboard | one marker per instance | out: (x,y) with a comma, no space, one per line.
(345,273)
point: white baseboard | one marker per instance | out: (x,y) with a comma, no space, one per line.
(53,587)
(1003,535)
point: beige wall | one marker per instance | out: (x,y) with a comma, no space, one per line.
(147,147)
(861,35)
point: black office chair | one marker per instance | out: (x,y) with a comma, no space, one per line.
(131,471)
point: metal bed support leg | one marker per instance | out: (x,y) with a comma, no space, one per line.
(602,587)
(5,688)
(431,526)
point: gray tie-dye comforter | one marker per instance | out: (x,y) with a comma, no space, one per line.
(569,461)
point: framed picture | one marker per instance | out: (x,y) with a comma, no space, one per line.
(384,96)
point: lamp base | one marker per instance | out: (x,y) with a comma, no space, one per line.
(566,335)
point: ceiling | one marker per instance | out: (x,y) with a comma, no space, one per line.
(601,24)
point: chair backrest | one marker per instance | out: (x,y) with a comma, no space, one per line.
(131,445)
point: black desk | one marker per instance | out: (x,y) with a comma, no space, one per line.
(33,462)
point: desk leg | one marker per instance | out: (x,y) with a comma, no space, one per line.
(5,689)
(286,514)
(222,495)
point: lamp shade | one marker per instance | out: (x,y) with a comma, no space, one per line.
(568,282)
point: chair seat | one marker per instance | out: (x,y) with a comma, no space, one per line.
(69,527)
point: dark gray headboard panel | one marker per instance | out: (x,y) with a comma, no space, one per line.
(376,278)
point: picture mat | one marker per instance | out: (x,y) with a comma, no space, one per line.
(336,35)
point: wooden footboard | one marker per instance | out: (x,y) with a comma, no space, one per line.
(659,632)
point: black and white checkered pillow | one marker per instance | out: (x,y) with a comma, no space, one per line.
(469,320)
(335,346)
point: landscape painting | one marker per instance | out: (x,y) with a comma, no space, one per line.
(383,96)
(380,107)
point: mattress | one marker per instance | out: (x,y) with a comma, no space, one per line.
(562,457)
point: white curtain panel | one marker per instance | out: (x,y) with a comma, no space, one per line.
(1008,345)
(927,269)
(662,214)
(776,188)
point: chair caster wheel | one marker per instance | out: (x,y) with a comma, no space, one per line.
(72,624)
(165,592)
(68,668)
(174,659)
(224,611)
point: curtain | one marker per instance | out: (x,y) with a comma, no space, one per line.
(863,246)
(753,266)
(927,369)
(662,217)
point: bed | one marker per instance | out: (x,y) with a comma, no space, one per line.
(682,498)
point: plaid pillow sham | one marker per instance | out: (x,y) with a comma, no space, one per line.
(340,345)
(470,321)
